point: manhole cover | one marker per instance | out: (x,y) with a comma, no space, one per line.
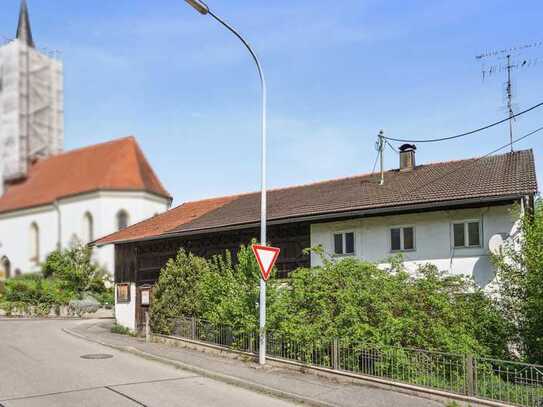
(97,356)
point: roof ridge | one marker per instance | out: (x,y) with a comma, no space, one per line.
(93,146)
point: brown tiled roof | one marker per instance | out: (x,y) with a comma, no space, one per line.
(500,176)
(116,165)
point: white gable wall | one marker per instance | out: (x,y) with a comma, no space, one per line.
(15,226)
(433,239)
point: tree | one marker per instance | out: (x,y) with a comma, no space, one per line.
(520,283)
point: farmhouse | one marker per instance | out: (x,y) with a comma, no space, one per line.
(444,213)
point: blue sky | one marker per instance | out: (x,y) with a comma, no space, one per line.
(337,73)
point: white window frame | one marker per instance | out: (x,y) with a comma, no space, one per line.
(343,233)
(466,222)
(402,249)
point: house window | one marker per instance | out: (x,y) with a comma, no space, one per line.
(88,228)
(122,219)
(402,238)
(123,293)
(34,243)
(467,234)
(344,243)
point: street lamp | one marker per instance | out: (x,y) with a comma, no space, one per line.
(202,8)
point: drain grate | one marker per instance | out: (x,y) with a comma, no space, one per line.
(96,356)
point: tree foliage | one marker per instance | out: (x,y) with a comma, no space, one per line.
(520,283)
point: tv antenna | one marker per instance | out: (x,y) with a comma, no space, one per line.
(506,60)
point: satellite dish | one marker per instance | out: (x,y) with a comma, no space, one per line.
(495,243)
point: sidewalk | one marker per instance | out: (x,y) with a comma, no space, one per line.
(278,381)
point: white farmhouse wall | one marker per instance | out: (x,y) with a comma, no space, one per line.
(125,313)
(103,207)
(433,239)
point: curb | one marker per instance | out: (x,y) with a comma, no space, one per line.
(207,373)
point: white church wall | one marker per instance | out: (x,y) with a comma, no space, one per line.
(433,239)
(103,206)
(15,237)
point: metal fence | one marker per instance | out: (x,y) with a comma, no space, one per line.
(499,380)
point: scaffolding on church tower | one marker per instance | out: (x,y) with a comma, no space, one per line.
(31,102)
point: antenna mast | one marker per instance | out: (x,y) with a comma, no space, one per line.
(509,90)
(507,54)
(381,146)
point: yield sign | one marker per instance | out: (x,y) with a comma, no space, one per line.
(266,258)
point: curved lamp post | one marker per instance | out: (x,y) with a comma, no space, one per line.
(202,8)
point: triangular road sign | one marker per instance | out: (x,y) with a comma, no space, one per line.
(266,258)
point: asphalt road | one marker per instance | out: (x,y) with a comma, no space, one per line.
(42,366)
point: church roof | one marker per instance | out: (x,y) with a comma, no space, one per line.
(476,181)
(24,31)
(118,165)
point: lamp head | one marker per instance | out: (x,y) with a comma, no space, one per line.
(199,6)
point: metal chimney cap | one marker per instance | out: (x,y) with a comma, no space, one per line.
(408,147)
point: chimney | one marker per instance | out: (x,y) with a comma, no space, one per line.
(407,157)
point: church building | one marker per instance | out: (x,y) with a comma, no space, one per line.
(50,198)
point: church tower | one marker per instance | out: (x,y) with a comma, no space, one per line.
(31,103)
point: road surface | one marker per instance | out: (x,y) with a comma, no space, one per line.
(41,366)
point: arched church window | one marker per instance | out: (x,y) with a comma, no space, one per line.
(5,267)
(88,228)
(34,243)
(122,219)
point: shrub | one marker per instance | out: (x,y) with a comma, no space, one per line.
(349,299)
(230,292)
(520,284)
(75,269)
(358,301)
(176,291)
(34,291)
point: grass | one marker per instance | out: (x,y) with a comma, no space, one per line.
(121,330)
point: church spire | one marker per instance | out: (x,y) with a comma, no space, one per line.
(24,32)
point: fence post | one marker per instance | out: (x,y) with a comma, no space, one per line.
(251,339)
(470,375)
(335,354)
(147,328)
(193,328)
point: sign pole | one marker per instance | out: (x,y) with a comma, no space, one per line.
(266,257)
(262,336)
(263,215)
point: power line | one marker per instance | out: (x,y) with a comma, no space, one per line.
(469,132)
(392,147)
(477,159)
(375,163)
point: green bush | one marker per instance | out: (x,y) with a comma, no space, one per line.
(520,284)
(76,270)
(37,291)
(176,292)
(66,275)
(359,302)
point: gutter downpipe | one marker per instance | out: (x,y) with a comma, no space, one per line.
(59,225)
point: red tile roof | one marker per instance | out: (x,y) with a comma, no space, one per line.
(500,177)
(116,165)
